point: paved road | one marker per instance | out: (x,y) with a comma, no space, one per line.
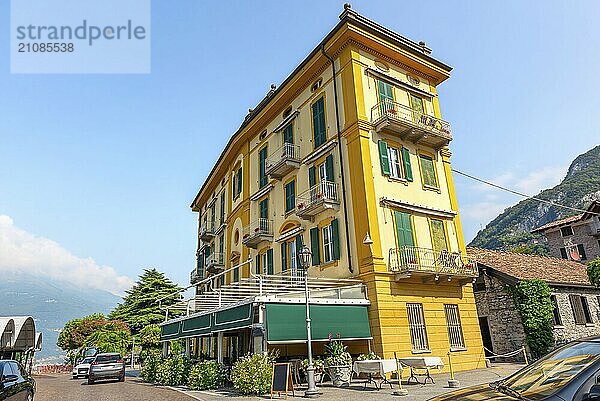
(63,388)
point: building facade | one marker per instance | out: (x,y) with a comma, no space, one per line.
(576,301)
(575,238)
(349,157)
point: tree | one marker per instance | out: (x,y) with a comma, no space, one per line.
(593,271)
(149,340)
(110,337)
(140,307)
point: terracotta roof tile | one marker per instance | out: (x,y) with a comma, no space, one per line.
(557,223)
(525,267)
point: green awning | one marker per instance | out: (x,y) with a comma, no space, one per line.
(170,331)
(286,323)
(234,318)
(196,326)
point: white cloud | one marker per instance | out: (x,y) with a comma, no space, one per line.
(21,251)
(483,212)
(530,184)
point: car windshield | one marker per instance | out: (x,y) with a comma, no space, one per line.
(107,358)
(88,360)
(554,371)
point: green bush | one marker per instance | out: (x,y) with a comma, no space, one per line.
(150,368)
(173,371)
(371,356)
(206,375)
(593,271)
(532,300)
(318,365)
(252,374)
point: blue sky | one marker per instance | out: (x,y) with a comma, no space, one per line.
(107,165)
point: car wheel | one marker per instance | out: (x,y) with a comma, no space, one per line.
(90,381)
(122,378)
(29,397)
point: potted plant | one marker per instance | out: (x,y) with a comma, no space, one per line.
(338,363)
(371,356)
(319,367)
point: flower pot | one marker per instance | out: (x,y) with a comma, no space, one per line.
(340,375)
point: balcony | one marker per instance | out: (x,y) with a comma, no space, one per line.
(259,231)
(433,265)
(195,276)
(215,263)
(319,198)
(207,231)
(401,120)
(283,160)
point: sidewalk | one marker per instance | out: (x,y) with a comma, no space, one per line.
(356,391)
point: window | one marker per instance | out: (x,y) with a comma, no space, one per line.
(327,245)
(404,230)
(263,208)
(438,235)
(264,262)
(290,196)
(416,325)
(262,159)
(479,285)
(556,320)
(319,128)
(221,246)
(324,170)
(237,183)
(222,208)
(455,334)
(581,310)
(395,162)
(213,212)
(581,251)
(563,253)
(289,256)
(386,93)
(428,171)
(566,231)
(417,104)
(288,133)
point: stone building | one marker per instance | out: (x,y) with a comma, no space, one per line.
(576,301)
(575,238)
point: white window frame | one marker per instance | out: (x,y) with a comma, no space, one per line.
(322,172)
(293,262)
(327,244)
(395,162)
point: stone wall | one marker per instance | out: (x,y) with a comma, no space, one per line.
(497,305)
(569,330)
(582,234)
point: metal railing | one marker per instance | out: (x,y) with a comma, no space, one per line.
(215,259)
(194,276)
(415,259)
(261,226)
(399,112)
(288,151)
(323,191)
(207,227)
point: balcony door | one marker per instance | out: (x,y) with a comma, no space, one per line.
(386,96)
(404,230)
(418,107)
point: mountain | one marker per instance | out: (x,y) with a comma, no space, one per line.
(512,227)
(51,303)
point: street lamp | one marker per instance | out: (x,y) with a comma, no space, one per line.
(304,257)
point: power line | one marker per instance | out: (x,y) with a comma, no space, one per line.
(522,194)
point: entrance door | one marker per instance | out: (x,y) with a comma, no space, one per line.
(485,334)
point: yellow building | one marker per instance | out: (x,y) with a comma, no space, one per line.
(357,168)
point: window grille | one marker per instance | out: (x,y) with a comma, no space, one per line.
(416,324)
(455,333)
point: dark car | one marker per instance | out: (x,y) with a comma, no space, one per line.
(15,382)
(107,366)
(572,372)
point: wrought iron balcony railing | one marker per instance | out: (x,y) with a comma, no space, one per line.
(412,259)
(195,276)
(257,232)
(207,230)
(413,124)
(215,261)
(320,197)
(283,160)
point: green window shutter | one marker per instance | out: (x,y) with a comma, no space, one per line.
(318,111)
(270,261)
(262,157)
(428,171)
(312,176)
(329,168)
(407,168)
(404,230)
(299,243)
(438,233)
(335,233)
(315,246)
(383,158)
(290,196)
(284,256)
(288,134)
(239,181)
(258,264)
(236,274)
(264,208)
(222,208)
(386,91)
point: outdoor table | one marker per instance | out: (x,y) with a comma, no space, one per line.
(375,366)
(425,363)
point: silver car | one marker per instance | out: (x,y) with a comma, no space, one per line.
(107,366)
(82,368)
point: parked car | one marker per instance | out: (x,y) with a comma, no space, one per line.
(15,383)
(82,368)
(571,372)
(107,366)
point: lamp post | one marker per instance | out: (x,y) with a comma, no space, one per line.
(305,256)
